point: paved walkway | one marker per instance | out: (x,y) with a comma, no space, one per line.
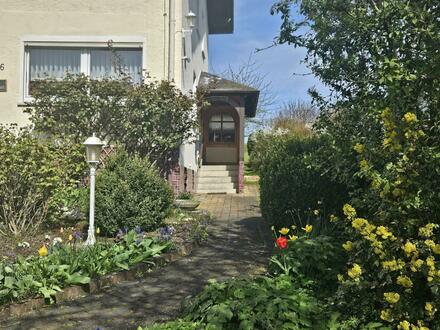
(236,246)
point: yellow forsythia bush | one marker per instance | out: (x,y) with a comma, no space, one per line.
(394,264)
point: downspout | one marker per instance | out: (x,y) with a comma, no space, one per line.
(171,38)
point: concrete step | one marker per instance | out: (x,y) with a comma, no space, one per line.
(210,191)
(219,168)
(218,173)
(216,186)
(218,179)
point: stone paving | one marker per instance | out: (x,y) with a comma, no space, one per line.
(239,244)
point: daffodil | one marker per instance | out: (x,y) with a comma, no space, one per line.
(284,231)
(293,237)
(404,325)
(98,231)
(308,228)
(43,251)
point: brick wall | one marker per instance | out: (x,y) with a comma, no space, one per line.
(241,177)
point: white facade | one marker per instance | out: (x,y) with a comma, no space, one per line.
(153,35)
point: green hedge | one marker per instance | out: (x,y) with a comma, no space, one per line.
(130,193)
(292,187)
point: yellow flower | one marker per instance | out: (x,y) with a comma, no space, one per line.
(416,264)
(43,251)
(358,223)
(404,281)
(284,231)
(404,325)
(98,231)
(384,232)
(427,231)
(308,228)
(429,309)
(70,237)
(429,243)
(392,297)
(359,148)
(293,227)
(349,211)
(436,249)
(409,248)
(61,230)
(386,315)
(355,271)
(348,246)
(393,265)
(430,262)
(363,164)
(333,218)
(293,237)
(409,117)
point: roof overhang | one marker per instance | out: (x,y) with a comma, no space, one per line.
(217,86)
(221,16)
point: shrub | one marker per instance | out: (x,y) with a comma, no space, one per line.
(317,260)
(130,193)
(293,191)
(150,119)
(256,303)
(33,172)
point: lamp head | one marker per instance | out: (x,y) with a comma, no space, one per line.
(93,149)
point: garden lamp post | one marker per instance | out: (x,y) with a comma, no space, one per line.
(93,149)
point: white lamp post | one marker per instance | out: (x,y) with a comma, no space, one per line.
(93,148)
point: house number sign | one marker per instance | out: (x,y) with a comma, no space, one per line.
(2,66)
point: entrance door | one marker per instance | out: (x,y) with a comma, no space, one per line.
(221,137)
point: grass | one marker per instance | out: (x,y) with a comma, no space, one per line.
(247,170)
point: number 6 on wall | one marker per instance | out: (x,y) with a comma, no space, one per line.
(2,66)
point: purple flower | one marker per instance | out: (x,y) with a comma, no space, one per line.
(165,233)
(77,235)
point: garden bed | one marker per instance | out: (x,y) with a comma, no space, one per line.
(180,233)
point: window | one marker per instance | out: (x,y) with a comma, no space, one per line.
(55,62)
(221,128)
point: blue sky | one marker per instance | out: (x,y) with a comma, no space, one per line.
(256,28)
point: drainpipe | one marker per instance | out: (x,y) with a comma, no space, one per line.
(171,38)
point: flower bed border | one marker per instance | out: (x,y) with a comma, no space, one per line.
(96,284)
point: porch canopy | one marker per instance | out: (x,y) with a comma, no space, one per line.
(216,87)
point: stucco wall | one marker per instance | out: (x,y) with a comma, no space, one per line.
(111,18)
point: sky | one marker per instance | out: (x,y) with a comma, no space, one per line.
(254,28)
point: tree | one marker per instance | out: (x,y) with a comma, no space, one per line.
(150,119)
(381,61)
(248,73)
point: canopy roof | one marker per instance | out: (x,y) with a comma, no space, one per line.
(217,86)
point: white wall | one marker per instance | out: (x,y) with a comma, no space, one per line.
(196,45)
(113,18)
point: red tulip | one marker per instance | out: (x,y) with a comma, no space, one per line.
(282,242)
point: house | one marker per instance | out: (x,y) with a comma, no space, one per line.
(168,39)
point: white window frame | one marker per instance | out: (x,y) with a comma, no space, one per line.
(85,43)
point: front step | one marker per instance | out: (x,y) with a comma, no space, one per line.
(218,179)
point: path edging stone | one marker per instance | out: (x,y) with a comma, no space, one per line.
(96,285)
